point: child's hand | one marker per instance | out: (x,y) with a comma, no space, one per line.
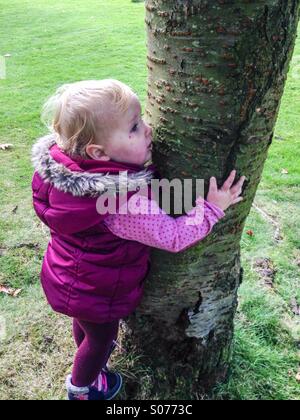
(228,195)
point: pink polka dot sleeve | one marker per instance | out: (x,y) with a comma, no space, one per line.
(150,225)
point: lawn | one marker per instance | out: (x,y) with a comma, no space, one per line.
(49,43)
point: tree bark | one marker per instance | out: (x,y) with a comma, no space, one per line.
(217,71)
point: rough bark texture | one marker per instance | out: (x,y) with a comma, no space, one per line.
(217,71)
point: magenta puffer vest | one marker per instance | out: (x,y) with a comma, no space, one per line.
(88,273)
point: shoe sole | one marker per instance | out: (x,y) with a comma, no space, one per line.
(117,390)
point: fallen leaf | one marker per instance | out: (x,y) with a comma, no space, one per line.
(5,146)
(298,377)
(48,340)
(27,245)
(279,138)
(267,271)
(250,232)
(284,171)
(10,291)
(295,307)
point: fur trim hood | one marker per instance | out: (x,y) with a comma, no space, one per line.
(83,183)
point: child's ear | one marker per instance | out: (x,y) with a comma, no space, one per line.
(96,152)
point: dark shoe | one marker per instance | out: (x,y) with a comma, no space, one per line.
(105,388)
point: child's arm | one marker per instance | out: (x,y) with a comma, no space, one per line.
(156,229)
(161,231)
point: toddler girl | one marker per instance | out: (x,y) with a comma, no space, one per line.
(96,262)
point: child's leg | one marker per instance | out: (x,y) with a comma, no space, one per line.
(93,351)
(113,346)
(78,333)
(79,336)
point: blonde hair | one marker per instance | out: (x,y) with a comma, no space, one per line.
(83,111)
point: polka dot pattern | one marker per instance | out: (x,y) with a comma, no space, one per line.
(148,224)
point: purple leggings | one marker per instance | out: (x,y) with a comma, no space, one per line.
(94,342)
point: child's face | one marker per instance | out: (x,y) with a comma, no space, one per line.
(131,140)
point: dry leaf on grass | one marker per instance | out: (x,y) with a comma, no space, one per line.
(6,146)
(267,271)
(10,291)
(298,377)
(284,171)
(295,307)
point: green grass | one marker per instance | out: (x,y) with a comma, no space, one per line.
(51,43)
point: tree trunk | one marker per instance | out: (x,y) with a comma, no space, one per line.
(217,71)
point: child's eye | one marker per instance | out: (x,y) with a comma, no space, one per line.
(135,127)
